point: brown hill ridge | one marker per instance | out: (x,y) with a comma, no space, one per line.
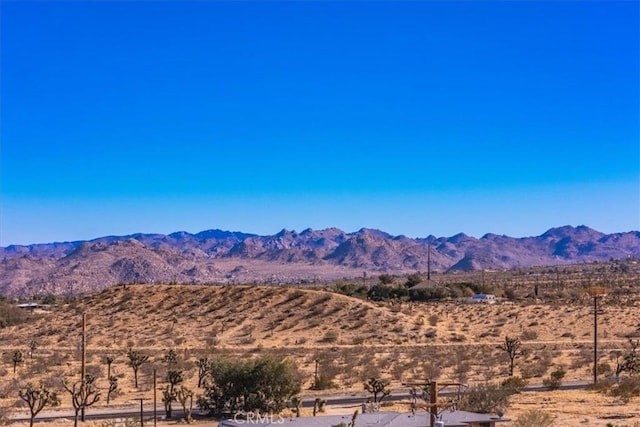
(216,256)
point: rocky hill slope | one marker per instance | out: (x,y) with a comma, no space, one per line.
(216,256)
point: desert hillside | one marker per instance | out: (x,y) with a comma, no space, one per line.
(351,338)
(160,317)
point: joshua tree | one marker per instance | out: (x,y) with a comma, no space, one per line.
(136,360)
(170,358)
(352,423)
(297,404)
(318,405)
(184,395)
(168,396)
(203,370)
(630,361)
(353,419)
(33,345)
(377,386)
(37,399)
(17,359)
(113,386)
(109,361)
(169,393)
(83,394)
(511,346)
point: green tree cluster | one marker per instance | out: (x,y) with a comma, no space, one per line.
(383,292)
(260,385)
(351,290)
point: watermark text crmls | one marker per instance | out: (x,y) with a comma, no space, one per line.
(251,418)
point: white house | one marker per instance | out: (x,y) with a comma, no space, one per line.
(482,299)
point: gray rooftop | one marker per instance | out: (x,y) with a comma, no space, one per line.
(378,419)
(425,284)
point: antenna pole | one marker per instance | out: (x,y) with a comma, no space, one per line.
(429,262)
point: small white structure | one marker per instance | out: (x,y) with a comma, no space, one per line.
(34,306)
(482,299)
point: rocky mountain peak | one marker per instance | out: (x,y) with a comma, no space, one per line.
(215,256)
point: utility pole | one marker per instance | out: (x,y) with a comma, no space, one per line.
(433,407)
(596,292)
(433,397)
(83,369)
(141,399)
(595,339)
(155,388)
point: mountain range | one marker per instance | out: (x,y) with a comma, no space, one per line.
(216,256)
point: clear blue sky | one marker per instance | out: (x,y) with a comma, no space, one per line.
(413,117)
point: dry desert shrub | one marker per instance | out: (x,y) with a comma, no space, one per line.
(127,422)
(330,337)
(626,389)
(534,418)
(554,380)
(538,365)
(486,398)
(433,319)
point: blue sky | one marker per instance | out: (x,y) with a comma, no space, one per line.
(416,118)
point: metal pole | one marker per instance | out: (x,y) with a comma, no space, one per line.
(155,388)
(433,409)
(83,345)
(83,369)
(141,399)
(595,339)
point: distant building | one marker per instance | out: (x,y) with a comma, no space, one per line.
(482,299)
(32,306)
(425,284)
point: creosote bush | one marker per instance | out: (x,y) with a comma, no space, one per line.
(515,384)
(554,380)
(626,389)
(486,398)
